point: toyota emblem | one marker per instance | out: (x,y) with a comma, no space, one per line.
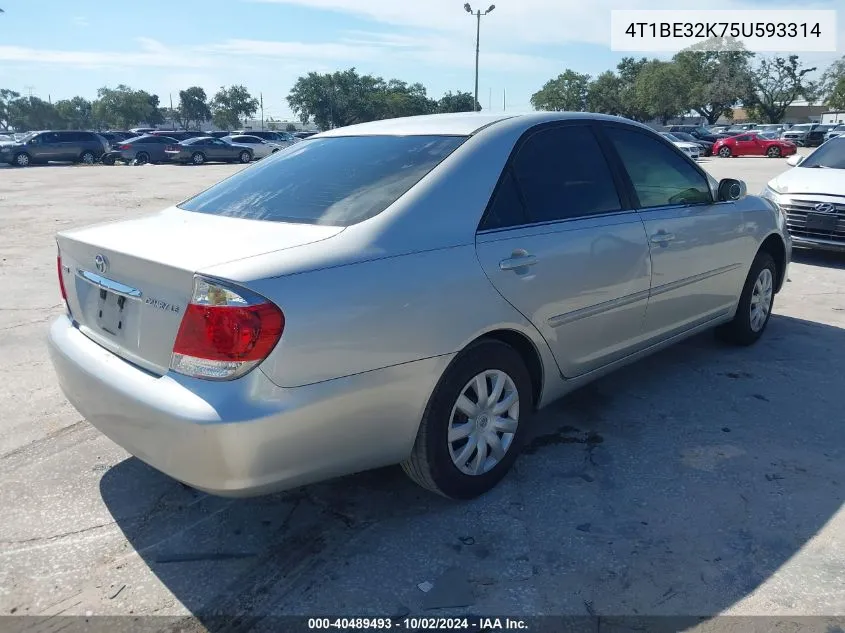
(101,263)
(825,207)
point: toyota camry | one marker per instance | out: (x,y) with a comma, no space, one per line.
(404,292)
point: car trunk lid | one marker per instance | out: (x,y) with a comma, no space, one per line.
(128,283)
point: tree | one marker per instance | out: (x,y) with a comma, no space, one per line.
(458,102)
(123,107)
(193,107)
(661,91)
(567,92)
(232,104)
(290,127)
(6,98)
(628,70)
(718,80)
(776,83)
(76,113)
(344,98)
(32,113)
(604,94)
(832,85)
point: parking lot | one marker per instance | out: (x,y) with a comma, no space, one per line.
(701,481)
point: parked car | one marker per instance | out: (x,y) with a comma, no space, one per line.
(206,149)
(839,130)
(71,146)
(6,138)
(305,134)
(753,145)
(706,146)
(217,134)
(138,131)
(693,150)
(260,148)
(807,134)
(812,197)
(775,128)
(148,148)
(282,139)
(716,129)
(697,131)
(392,293)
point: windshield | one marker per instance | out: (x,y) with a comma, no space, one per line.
(801,127)
(830,155)
(334,181)
(671,137)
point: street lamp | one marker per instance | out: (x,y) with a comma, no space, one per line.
(477,15)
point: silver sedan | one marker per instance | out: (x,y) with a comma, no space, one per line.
(404,292)
(260,148)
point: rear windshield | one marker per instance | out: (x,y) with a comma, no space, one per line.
(336,181)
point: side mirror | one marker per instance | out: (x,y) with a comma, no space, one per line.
(795,160)
(731,189)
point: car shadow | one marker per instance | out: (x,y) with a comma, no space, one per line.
(676,486)
(824,259)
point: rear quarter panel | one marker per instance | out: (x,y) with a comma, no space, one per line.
(360,317)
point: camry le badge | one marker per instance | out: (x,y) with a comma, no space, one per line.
(825,207)
(101,263)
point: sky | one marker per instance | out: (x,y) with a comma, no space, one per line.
(62,48)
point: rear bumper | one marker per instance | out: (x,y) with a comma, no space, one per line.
(249,436)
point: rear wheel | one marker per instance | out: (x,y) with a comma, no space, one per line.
(142,158)
(773,152)
(245,156)
(198,158)
(87,158)
(755,303)
(725,152)
(108,160)
(474,424)
(22,159)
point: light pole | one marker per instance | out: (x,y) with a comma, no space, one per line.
(477,15)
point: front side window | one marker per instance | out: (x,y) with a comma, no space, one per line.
(831,155)
(660,176)
(336,181)
(562,174)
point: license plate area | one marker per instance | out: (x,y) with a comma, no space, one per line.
(111,315)
(822,222)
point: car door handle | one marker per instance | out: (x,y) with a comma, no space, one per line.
(662,238)
(519,259)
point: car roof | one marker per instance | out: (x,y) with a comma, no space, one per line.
(460,124)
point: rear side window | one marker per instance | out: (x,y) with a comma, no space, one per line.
(660,176)
(506,208)
(562,173)
(334,181)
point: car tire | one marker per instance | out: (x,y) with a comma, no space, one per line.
(22,159)
(725,152)
(755,304)
(434,458)
(87,158)
(108,160)
(197,158)
(142,158)
(773,152)
(244,157)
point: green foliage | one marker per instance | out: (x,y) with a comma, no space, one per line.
(232,104)
(193,107)
(123,107)
(566,92)
(32,113)
(344,98)
(458,102)
(836,98)
(290,127)
(6,98)
(832,85)
(76,113)
(604,94)
(776,83)
(661,91)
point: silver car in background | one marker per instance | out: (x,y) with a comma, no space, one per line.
(260,148)
(403,291)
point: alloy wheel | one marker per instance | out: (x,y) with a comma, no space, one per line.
(761,299)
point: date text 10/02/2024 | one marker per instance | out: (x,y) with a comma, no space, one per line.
(418,623)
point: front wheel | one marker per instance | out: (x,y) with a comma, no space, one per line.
(22,160)
(773,152)
(87,158)
(474,424)
(245,157)
(725,152)
(755,303)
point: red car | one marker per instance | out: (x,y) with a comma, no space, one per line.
(753,145)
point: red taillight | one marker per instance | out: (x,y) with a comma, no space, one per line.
(124,146)
(61,277)
(225,332)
